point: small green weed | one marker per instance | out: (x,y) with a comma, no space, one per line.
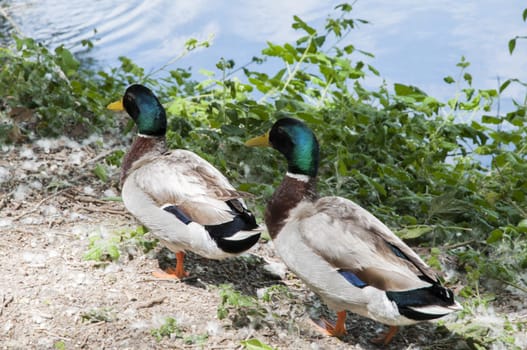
(167,329)
(255,344)
(170,329)
(101,172)
(196,339)
(242,310)
(104,314)
(137,237)
(115,158)
(109,247)
(59,345)
(276,292)
(105,169)
(101,249)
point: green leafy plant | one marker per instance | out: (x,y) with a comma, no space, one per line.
(171,329)
(59,95)
(103,249)
(196,339)
(137,238)
(275,293)
(115,158)
(110,247)
(241,309)
(168,329)
(100,171)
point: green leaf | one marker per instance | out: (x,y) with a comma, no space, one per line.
(319,41)
(191,44)
(345,7)
(414,232)
(349,49)
(113,252)
(488,119)
(504,85)
(468,78)
(379,187)
(522,223)
(87,43)
(495,236)
(501,160)
(463,63)
(206,72)
(255,344)
(95,254)
(100,172)
(300,24)
(407,90)
(524,15)
(112,199)
(373,70)
(69,62)
(512,45)
(449,80)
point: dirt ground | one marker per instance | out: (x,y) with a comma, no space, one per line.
(51,297)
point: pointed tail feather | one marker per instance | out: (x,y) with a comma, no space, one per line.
(425,303)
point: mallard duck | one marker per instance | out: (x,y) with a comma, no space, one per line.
(180,197)
(340,250)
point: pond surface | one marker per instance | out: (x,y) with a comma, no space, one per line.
(415,42)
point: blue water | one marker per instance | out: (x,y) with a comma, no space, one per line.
(415,42)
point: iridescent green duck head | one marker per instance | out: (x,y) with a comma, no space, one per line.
(296,142)
(144,108)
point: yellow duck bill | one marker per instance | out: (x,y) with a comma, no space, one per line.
(116,106)
(259,141)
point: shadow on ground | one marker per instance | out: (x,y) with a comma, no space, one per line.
(246,273)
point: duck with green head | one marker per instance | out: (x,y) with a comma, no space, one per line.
(183,200)
(340,250)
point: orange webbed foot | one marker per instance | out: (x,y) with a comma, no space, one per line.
(170,273)
(334,330)
(177,272)
(386,338)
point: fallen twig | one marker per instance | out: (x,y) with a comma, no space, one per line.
(84,198)
(53,334)
(151,303)
(105,210)
(460,244)
(512,284)
(5,199)
(99,157)
(5,303)
(35,208)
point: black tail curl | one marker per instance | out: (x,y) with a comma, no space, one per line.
(434,295)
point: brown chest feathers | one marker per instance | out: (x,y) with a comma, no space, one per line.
(286,197)
(142,145)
